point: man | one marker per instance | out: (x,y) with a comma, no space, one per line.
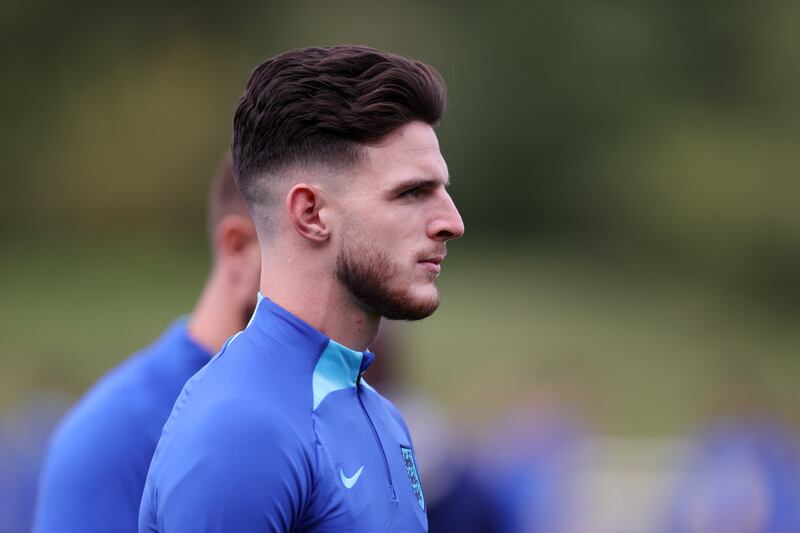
(96,468)
(337,159)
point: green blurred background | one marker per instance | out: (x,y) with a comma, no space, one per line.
(626,172)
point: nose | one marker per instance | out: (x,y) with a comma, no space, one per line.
(448,224)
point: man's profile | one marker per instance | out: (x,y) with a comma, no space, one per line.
(335,153)
(98,459)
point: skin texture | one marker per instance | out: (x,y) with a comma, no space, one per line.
(357,244)
(229,294)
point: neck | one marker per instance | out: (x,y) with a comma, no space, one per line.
(319,299)
(216,316)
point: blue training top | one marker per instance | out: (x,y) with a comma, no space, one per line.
(280,433)
(97,464)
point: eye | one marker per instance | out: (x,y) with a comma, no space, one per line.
(414,192)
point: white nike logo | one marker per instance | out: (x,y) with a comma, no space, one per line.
(348,482)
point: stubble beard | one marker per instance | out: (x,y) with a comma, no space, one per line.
(366,273)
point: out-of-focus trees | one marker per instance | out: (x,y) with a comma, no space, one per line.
(662,130)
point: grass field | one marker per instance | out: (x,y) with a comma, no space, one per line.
(633,352)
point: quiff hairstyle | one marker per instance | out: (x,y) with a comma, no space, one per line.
(224,197)
(319,106)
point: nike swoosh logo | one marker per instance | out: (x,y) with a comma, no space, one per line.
(348,482)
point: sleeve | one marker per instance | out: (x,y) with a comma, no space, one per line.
(91,481)
(238,470)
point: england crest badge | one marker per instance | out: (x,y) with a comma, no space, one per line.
(413,475)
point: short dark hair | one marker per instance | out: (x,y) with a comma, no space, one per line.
(224,197)
(319,105)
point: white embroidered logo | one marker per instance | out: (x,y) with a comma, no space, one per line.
(348,482)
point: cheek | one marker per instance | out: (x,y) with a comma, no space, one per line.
(380,232)
(393,236)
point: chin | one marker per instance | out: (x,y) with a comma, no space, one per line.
(425,294)
(411,306)
(411,312)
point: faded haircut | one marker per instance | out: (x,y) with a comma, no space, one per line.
(318,106)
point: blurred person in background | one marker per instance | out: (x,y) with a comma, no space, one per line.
(530,465)
(335,152)
(24,436)
(743,476)
(98,459)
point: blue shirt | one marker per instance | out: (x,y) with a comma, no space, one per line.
(280,433)
(98,460)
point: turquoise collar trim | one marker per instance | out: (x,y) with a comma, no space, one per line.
(337,368)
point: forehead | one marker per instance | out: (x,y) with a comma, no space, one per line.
(411,151)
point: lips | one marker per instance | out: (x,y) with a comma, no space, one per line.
(433,263)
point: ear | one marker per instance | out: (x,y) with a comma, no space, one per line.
(305,205)
(238,259)
(233,236)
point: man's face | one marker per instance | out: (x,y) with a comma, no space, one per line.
(397,218)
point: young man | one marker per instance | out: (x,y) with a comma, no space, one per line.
(336,156)
(97,464)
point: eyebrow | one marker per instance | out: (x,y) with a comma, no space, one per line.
(420,182)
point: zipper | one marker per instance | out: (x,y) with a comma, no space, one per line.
(377,439)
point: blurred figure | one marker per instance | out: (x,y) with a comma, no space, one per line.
(98,460)
(744,477)
(530,465)
(24,435)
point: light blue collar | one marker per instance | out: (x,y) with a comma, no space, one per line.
(337,368)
